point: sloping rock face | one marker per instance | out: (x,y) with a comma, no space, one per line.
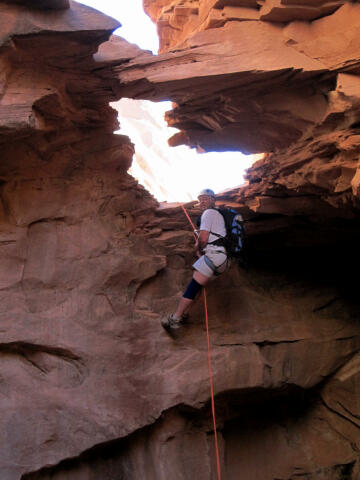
(91,387)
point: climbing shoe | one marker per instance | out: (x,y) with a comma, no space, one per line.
(171,323)
(185,317)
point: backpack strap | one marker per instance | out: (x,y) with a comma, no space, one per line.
(219,242)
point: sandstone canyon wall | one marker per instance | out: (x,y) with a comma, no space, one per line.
(90,385)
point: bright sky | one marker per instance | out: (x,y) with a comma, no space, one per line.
(136,25)
(182,172)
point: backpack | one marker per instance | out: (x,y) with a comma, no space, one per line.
(234,242)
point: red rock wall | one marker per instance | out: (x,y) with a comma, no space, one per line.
(90,385)
(288,87)
(179,19)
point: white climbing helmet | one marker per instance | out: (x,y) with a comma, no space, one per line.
(208,192)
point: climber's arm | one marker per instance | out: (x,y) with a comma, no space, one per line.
(202,242)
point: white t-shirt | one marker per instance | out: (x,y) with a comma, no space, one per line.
(213,221)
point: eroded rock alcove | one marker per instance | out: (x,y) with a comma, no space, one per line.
(90,386)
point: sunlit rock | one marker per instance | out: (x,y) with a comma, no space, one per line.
(267,87)
(90,384)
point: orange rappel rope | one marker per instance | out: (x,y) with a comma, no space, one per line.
(209,366)
(212,389)
(188,217)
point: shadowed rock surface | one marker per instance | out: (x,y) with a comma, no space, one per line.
(91,387)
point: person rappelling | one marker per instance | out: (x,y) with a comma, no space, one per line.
(220,236)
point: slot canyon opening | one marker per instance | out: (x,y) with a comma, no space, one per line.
(169,173)
(174,173)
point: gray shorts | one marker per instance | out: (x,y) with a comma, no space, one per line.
(212,263)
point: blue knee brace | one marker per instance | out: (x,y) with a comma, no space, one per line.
(192,289)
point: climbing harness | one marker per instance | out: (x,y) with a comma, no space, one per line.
(208,261)
(213,267)
(209,366)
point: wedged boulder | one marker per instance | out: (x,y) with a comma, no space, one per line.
(228,93)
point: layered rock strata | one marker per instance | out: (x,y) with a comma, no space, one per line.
(178,19)
(289,89)
(90,385)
